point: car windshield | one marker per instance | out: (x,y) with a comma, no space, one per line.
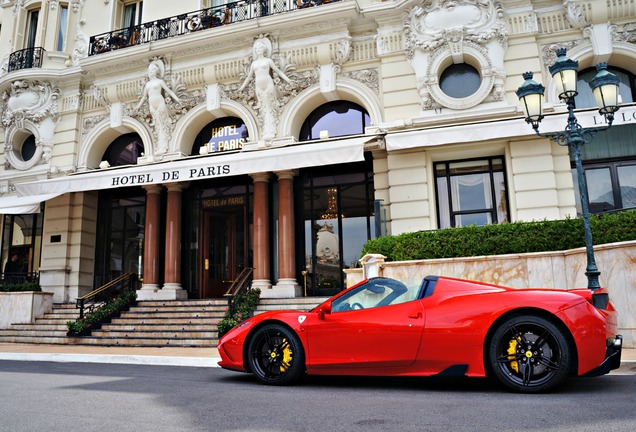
(378,292)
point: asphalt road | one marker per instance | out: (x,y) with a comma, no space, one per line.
(44,396)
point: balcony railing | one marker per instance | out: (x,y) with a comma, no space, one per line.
(26,59)
(178,25)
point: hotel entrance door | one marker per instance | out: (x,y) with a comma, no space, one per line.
(224,251)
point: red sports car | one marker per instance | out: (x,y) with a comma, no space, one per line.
(531,340)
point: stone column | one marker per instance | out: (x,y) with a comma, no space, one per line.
(287,285)
(151,244)
(172,272)
(261,277)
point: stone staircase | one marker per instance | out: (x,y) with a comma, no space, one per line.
(299,303)
(190,323)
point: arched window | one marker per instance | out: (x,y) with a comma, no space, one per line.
(221,135)
(338,118)
(585,98)
(124,150)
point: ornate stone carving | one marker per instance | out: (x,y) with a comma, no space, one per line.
(462,31)
(29,100)
(549,51)
(627,34)
(162,104)
(368,77)
(29,107)
(575,13)
(80,46)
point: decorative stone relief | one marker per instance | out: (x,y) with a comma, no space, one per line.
(439,33)
(575,13)
(80,46)
(19,4)
(368,77)
(77,5)
(549,51)
(29,108)
(627,34)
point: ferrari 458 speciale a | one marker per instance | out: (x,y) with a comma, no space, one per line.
(530,339)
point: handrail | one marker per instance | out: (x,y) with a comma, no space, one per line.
(229,13)
(121,284)
(242,284)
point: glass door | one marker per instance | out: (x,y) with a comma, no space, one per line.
(223,250)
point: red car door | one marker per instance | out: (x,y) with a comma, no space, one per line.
(383,336)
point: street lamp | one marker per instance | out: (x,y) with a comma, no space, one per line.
(605,89)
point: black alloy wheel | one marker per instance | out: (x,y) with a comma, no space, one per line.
(276,355)
(530,354)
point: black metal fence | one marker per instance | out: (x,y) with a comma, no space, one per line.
(26,59)
(178,25)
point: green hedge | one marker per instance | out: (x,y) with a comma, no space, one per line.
(13,287)
(508,238)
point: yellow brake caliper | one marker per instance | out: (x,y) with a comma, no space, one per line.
(288,356)
(512,349)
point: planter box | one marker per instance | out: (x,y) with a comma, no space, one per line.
(23,307)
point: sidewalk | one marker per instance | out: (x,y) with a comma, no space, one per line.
(173,356)
(168,356)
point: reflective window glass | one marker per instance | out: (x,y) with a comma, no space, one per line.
(460,80)
(340,118)
(125,150)
(471,192)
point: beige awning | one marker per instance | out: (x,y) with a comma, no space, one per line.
(205,167)
(23,204)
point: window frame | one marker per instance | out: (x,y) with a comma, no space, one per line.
(62,27)
(454,214)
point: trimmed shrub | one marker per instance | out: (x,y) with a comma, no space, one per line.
(507,238)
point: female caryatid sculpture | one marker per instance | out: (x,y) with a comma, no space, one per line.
(153,91)
(264,85)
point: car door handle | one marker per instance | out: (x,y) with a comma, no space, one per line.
(417,315)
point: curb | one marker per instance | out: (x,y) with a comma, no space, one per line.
(114,359)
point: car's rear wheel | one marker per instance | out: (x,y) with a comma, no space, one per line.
(530,354)
(276,355)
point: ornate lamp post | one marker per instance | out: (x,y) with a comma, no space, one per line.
(605,88)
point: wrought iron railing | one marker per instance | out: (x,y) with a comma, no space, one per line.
(178,25)
(26,59)
(242,284)
(124,283)
(19,278)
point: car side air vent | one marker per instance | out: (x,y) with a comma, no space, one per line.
(428,286)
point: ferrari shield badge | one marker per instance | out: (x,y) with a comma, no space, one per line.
(301,319)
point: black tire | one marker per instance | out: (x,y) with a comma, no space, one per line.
(530,354)
(276,356)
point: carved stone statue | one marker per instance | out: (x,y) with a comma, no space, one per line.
(264,86)
(153,91)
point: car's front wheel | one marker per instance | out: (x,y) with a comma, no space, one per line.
(530,354)
(276,355)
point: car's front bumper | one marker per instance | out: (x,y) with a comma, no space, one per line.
(612,357)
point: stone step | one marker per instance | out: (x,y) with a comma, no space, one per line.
(39,326)
(177,309)
(179,303)
(57,321)
(35,339)
(170,315)
(147,342)
(160,327)
(31,333)
(155,334)
(184,319)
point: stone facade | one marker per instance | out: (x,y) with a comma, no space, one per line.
(387,56)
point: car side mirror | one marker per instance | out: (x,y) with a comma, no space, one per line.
(324,309)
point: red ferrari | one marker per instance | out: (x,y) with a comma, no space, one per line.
(531,340)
